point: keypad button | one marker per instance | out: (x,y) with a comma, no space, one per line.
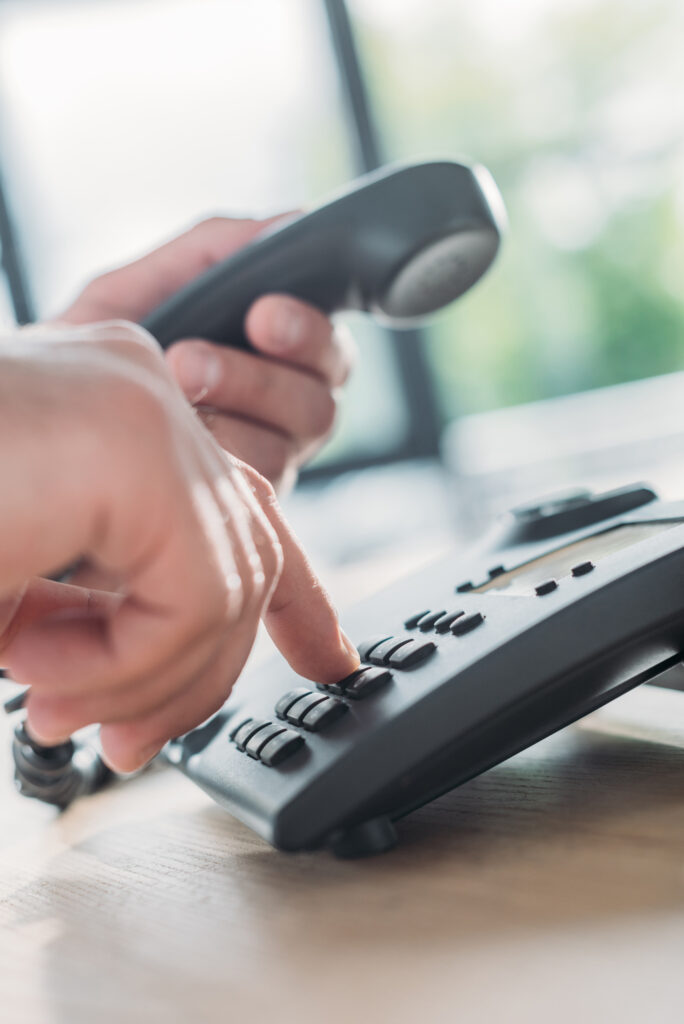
(324,714)
(296,712)
(413,620)
(443,625)
(367,646)
(246,731)
(463,588)
(286,702)
(496,570)
(280,747)
(582,569)
(259,739)
(547,587)
(380,654)
(240,725)
(412,653)
(364,682)
(466,623)
(428,621)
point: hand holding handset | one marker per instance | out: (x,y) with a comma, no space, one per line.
(400,243)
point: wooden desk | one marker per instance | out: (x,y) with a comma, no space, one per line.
(551,889)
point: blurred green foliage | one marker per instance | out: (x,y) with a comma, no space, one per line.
(577,108)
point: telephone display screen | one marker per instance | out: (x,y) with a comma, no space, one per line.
(556,564)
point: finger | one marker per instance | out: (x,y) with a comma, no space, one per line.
(269,393)
(134,290)
(294,331)
(271,453)
(53,716)
(129,745)
(46,598)
(300,616)
(173,602)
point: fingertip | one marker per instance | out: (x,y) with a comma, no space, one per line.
(196,365)
(279,324)
(121,753)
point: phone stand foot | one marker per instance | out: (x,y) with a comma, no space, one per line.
(375,836)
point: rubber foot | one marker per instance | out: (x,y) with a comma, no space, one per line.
(375,836)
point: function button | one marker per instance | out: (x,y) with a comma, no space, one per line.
(259,739)
(380,654)
(582,569)
(296,712)
(412,653)
(324,714)
(547,587)
(444,624)
(497,570)
(463,588)
(367,646)
(286,702)
(428,620)
(413,620)
(280,747)
(365,681)
(466,623)
(246,731)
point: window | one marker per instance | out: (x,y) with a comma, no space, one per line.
(123,121)
(578,110)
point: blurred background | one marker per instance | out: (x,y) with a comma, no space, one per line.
(124,121)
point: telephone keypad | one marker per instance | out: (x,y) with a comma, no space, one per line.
(286,702)
(323,714)
(259,739)
(429,619)
(381,653)
(365,681)
(412,653)
(280,747)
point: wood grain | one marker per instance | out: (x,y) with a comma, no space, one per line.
(550,889)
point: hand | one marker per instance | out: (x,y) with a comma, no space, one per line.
(273,412)
(103,461)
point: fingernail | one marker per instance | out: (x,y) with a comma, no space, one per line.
(289,327)
(198,371)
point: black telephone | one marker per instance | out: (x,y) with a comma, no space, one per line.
(570,604)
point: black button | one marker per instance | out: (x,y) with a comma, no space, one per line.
(296,712)
(364,682)
(412,653)
(413,620)
(260,738)
(324,714)
(442,625)
(428,621)
(246,731)
(280,747)
(380,654)
(233,733)
(582,569)
(497,570)
(547,587)
(463,588)
(286,702)
(466,623)
(367,646)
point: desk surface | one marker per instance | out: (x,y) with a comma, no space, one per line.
(550,889)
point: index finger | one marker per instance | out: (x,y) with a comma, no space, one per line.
(300,616)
